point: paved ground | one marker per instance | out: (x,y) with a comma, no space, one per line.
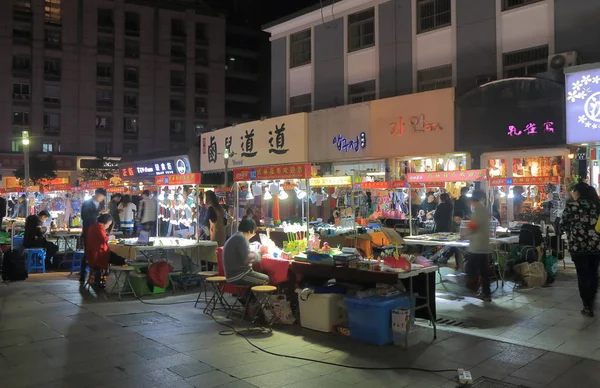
(53,335)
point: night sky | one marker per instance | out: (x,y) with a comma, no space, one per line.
(259,12)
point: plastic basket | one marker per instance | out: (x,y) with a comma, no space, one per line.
(370,318)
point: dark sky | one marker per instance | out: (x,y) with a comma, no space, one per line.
(259,12)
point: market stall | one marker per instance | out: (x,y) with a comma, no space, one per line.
(177,205)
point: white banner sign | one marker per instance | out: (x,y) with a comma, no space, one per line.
(275,141)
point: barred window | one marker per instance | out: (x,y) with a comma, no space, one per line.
(300,48)
(433,14)
(434,78)
(361,30)
(301,103)
(525,63)
(512,4)
(362,91)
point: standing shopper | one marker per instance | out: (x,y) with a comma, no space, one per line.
(579,221)
(217,218)
(148,209)
(443,215)
(90,210)
(113,209)
(126,212)
(479,242)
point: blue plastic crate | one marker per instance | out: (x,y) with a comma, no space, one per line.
(370,319)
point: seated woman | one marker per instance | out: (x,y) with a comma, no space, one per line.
(238,258)
(97,254)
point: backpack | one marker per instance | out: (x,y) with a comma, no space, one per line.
(14,266)
(529,254)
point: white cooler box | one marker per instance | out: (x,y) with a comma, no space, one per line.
(321,312)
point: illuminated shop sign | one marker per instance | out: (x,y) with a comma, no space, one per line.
(158,167)
(344,145)
(331,181)
(418,124)
(583,106)
(531,129)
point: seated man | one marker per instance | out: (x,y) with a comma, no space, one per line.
(34,235)
(238,258)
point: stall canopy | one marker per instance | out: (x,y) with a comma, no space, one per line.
(511,114)
(179,179)
(92,185)
(525,181)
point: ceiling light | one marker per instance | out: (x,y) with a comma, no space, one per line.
(300,194)
(283,195)
(267,195)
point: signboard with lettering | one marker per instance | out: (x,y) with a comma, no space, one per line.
(98,163)
(57,187)
(157,167)
(178,179)
(94,185)
(525,180)
(447,176)
(372,185)
(341,133)
(331,181)
(414,124)
(275,141)
(511,114)
(290,171)
(583,106)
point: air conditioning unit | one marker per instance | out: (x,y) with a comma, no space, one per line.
(562,60)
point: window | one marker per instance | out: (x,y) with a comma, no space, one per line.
(201,57)
(301,103)
(104,148)
(130,125)
(132,48)
(106,45)
(243,110)
(132,24)
(241,64)
(361,92)
(177,127)
(300,48)
(51,122)
(177,28)
(201,82)
(130,100)
(52,94)
(200,107)
(22,33)
(434,78)
(20,118)
(104,70)
(21,63)
(511,4)
(177,51)
(240,86)
(22,5)
(177,103)
(52,67)
(52,12)
(21,91)
(433,14)
(102,122)
(51,146)
(177,78)
(104,97)
(132,75)
(201,35)
(361,30)
(53,38)
(17,146)
(106,21)
(130,148)
(525,63)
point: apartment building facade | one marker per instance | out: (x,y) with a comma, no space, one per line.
(350,51)
(110,77)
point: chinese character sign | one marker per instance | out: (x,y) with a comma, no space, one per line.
(531,129)
(274,141)
(583,106)
(447,176)
(288,171)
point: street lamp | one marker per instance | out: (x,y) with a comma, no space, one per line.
(25,141)
(227,153)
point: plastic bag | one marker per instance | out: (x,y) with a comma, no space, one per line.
(280,311)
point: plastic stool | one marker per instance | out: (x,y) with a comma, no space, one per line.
(263,303)
(203,287)
(36,259)
(76,262)
(217,283)
(18,243)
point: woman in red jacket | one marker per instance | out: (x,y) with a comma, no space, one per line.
(96,245)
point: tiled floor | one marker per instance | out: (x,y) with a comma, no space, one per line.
(54,335)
